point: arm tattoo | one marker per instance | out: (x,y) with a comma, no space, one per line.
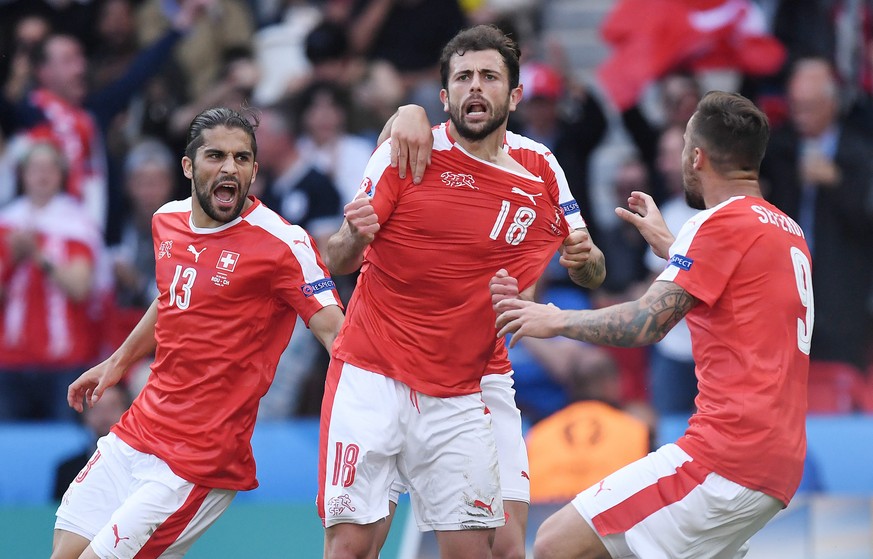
(591,275)
(634,323)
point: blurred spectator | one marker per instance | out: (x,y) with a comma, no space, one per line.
(117,46)
(672,382)
(627,276)
(622,245)
(323,113)
(376,88)
(819,171)
(62,108)
(228,24)
(587,440)
(29,32)
(327,50)
(676,100)
(376,95)
(64,17)
(149,182)
(303,194)
(232,88)
(98,420)
(280,51)
(853,54)
(410,34)
(49,256)
(571,125)
(650,38)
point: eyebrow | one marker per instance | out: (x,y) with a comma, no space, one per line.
(214,151)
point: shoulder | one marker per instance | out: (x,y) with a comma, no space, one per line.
(271,225)
(517,141)
(175,206)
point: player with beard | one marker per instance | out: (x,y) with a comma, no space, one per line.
(740,273)
(232,277)
(403,398)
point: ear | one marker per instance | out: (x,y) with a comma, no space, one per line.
(254,171)
(698,157)
(444,97)
(188,167)
(515,97)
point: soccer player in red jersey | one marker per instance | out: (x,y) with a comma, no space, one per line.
(739,272)
(232,277)
(412,142)
(403,397)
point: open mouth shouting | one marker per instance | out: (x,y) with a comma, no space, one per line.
(225,194)
(476,110)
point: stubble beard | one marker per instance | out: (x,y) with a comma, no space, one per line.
(484,130)
(204,197)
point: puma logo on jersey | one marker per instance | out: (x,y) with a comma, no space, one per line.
(304,241)
(517,190)
(456,180)
(195,252)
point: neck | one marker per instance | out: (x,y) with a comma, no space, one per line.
(200,218)
(488,148)
(728,188)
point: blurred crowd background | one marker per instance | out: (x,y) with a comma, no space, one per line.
(96,97)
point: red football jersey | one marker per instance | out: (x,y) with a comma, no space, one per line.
(421,311)
(748,264)
(228,301)
(540,161)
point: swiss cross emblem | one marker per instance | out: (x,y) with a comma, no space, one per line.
(227,261)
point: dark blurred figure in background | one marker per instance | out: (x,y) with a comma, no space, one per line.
(819,171)
(678,94)
(409,34)
(98,420)
(27,34)
(225,25)
(300,191)
(623,247)
(323,112)
(567,119)
(150,172)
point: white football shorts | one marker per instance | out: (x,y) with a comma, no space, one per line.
(499,397)
(667,506)
(379,430)
(128,503)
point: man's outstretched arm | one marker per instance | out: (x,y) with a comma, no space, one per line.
(635,323)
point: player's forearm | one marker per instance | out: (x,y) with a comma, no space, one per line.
(386,130)
(139,343)
(592,273)
(344,253)
(326,324)
(635,323)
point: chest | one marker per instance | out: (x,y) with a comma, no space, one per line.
(478,206)
(210,270)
